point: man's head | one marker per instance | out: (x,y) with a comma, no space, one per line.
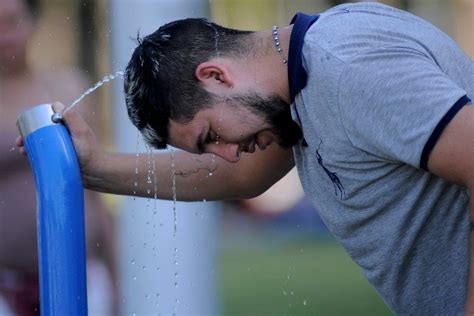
(165,85)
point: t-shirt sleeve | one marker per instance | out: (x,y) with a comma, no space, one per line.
(394,103)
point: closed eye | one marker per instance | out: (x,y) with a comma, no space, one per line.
(211,137)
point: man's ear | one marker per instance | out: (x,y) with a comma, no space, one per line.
(213,75)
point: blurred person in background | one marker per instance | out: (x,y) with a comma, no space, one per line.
(22,86)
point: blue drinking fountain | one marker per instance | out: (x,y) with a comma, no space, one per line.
(60,212)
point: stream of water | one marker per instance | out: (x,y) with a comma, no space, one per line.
(57,117)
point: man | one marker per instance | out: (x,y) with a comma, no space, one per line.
(372,104)
(23,85)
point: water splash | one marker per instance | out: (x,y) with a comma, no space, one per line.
(149,177)
(213,164)
(135,189)
(173,189)
(95,87)
(175,224)
(58,116)
(155,183)
(176,273)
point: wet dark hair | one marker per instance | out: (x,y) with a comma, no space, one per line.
(160,82)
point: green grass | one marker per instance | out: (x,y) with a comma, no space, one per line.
(294,278)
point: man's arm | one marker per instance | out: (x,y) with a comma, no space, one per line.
(452,158)
(198,177)
(116,173)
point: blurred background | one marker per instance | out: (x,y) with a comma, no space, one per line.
(267,256)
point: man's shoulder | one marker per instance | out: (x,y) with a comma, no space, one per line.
(355,27)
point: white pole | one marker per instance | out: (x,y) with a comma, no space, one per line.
(160,273)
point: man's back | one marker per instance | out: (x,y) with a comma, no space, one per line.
(379,83)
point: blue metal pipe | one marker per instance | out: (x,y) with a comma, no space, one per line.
(60,217)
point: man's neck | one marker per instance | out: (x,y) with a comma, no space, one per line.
(274,68)
(284,35)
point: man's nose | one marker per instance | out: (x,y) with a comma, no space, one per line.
(227,151)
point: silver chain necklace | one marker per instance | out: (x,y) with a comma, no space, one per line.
(276,39)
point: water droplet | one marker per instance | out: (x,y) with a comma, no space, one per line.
(134,278)
(304,303)
(173,189)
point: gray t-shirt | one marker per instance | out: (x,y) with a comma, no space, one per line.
(381,85)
